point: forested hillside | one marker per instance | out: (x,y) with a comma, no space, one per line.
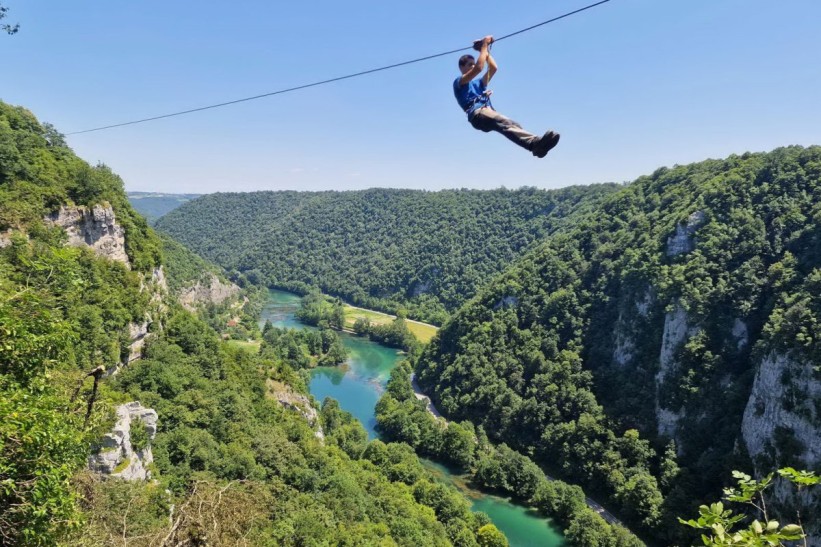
(383,249)
(153,205)
(686,309)
(236,451)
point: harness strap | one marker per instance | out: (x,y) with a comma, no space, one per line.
(484,96)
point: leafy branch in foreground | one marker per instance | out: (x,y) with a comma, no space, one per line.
(721,522)
(11,29)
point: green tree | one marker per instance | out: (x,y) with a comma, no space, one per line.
(9,29)
(588,529)
(490,536)
(459,445)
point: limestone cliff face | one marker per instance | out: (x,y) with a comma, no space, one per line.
(683,241)
(96,228)
(210,290)
(117,456)
(784,411)
(676,331)
(156,283)
(634,314)
(676,328)
(138,332)
(781,422)
(782,398)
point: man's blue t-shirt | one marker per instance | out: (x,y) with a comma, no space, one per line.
(471,96)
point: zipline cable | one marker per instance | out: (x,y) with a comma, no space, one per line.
(337,79)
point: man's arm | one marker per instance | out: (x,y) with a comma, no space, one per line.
(491,68)
(480,62)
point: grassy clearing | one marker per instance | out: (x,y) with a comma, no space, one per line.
(422,331)
(244,344)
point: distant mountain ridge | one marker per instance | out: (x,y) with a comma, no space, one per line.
(386,249)
(153,205)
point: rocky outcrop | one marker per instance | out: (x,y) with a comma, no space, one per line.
(633,313)
(783,402)
(96,228)
(740,334)
(156,283)
(117,456)
(5,238)
(208,291)
(625,347)
(683,240)
(644,305)
(784,413)
(138,332)
(676,332)
(298,403)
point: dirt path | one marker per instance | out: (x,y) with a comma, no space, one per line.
(417,391)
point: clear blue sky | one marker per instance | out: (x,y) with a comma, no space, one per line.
(631,85)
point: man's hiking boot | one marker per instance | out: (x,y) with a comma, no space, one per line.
(544,145)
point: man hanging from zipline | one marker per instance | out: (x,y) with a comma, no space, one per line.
(473,96)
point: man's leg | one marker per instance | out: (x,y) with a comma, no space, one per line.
(488,119)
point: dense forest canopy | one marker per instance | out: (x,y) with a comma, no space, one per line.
(427,252)
(231,463)
(651,316)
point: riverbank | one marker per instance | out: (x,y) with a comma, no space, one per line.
(358,387)
(359,391)
(433,411)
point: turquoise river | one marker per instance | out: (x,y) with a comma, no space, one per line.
(358,387)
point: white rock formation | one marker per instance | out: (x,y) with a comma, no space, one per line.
(138,333)
(676,332)
(682,241)
(156,283)
(643,306)
(741,334)
(96,228)
(211,290)
(630,323)
(298,403)
(5,238)
(117,457)
(766,414)
(625,347)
